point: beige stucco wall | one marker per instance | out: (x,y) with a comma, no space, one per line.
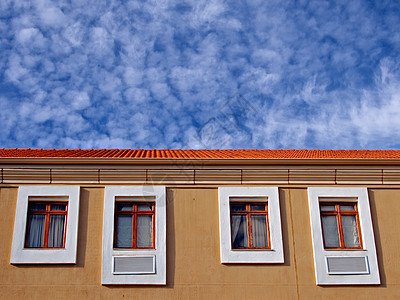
(194,270)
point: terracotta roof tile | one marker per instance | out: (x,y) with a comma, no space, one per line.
(200,154)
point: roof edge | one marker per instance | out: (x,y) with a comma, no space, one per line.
(197,161)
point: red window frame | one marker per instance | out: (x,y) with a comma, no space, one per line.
(248,212)
(47,212)
(338,213)
(134,214)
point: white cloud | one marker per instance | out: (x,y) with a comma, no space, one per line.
(74,34)
(80,100)
(15,71)
(31,38)
(52,16)
(206,12)
(101,43)
(133,77)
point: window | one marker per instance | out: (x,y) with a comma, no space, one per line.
(342,236)
(134,235)
(134,225)
(46,225)
(250,225)
(340,225)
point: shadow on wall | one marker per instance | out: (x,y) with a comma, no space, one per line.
(170,239)
(377,235)
(82,228)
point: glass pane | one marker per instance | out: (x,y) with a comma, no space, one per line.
(350,231)
(56,231)
(331,234)
(257,207)
(145,207)
(259,228)
(36,231)
(36,207)
(238,207)
(124,231)
(328,208)
(239,232)
(124,207)
(144,231)
(58,207)
(347,208)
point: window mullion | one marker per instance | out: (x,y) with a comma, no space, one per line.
(46,229)
(134,230)
(340,228)
(249,229)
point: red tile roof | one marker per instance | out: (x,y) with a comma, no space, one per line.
(200,154)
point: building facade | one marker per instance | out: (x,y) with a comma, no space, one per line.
(199,224)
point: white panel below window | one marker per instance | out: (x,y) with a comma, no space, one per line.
(134,264)
(347,265)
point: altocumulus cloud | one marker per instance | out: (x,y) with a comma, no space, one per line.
(200,74)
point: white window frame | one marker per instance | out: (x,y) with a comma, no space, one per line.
(109,252)
(367,236)
(260,256)
(67,255)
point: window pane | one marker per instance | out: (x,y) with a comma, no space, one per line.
(259,228)
(56,231)
(347,208)
(36,231)
(238,207)
(257,207)
(239,231)
(330,228)
(350,231)
(144,231)
(145,207)
(124,207)
(328,208)
(58,207)
(36,207)
(124,231)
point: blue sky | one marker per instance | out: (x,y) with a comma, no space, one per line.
(200,74)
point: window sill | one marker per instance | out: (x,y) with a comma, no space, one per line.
(345,250)
(236,250)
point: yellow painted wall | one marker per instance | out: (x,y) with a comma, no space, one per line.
(194,268)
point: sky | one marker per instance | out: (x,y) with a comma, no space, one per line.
(197,74)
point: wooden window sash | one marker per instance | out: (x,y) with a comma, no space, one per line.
(134,213)
(338,213)
(47,213)
(248,213)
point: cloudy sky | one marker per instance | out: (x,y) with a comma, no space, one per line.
(200,74)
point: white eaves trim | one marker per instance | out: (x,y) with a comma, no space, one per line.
(273,255)
(368,273)
(67,255)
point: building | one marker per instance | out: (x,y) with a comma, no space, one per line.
(199,224)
